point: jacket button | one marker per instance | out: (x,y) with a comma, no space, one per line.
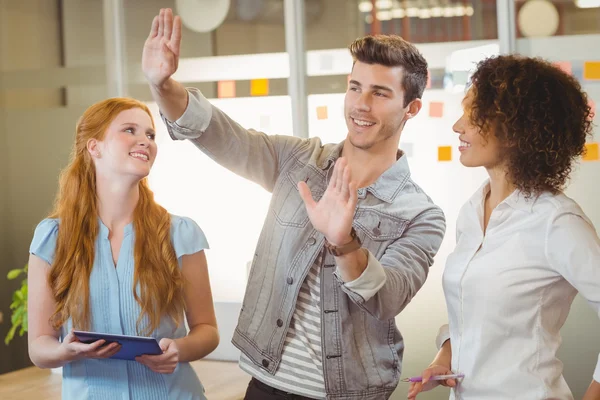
(290,280)
(311,241)
(279,323)
(265,363)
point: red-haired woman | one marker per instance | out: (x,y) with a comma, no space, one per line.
(110,259)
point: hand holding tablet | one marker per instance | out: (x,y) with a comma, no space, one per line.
(121,347)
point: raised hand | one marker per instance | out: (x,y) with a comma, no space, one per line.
(160,57)
(164,363)
(332,215)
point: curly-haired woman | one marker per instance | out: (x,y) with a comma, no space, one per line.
(523,248)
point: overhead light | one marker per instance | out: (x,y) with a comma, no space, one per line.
(448,12)
(398,13)
(587,3)
(365,6)
(412,12)
(384,15)
(384,4)
(459,11)
(437,11)
(369,19)
(424,13)
(469,11)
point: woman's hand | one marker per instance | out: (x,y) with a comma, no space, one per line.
(72,349)
(164,363)
(425,385)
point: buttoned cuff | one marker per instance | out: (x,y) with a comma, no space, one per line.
(195,119)
(369,282)
(442,336)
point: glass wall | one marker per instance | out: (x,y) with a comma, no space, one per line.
(52,66)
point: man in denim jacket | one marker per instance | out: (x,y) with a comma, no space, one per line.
(348,239)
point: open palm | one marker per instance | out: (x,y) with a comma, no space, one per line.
(160,57)
(333,214)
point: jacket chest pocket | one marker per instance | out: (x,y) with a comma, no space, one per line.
(377,230)
(287,206)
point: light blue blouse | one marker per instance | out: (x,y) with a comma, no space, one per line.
(114,310)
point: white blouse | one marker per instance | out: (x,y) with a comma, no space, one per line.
(509,292)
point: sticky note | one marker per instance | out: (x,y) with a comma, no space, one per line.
(226,89)
(591,152)
(322,112)
(259,87)
(445,153)
(591,70)
(428,86)
(565,66)
(436,109)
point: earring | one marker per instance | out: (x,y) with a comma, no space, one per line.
(98,154)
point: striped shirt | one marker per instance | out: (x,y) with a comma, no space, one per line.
(300,370)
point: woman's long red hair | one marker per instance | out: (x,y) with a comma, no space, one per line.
(157,276)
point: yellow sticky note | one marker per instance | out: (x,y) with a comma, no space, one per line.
(322,112)
(591,70)
(591,152)
(445,153)
(259,87)
(226,89)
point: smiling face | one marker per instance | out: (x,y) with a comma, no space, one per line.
(374,106)
(476,149)
(128,148)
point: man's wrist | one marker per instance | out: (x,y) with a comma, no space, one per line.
(342,242)
(349,246)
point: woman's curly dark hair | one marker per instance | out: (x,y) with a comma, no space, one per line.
(539,115)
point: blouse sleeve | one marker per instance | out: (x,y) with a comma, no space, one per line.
(573,250)
(44,239)
(187,236)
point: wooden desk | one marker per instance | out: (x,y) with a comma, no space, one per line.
(222,381)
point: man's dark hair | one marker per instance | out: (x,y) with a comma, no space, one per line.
(393,51)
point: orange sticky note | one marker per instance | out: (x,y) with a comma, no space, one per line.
(226,89)
(428,80)
(322,112)
(591,70)
(591,152)
(436,109)
(565,66)
(259,87)
(445,153)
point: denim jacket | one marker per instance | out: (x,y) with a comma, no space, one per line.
(396,221)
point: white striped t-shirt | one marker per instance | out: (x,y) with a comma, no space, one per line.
(300,370)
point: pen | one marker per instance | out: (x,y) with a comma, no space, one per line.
(434,378)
